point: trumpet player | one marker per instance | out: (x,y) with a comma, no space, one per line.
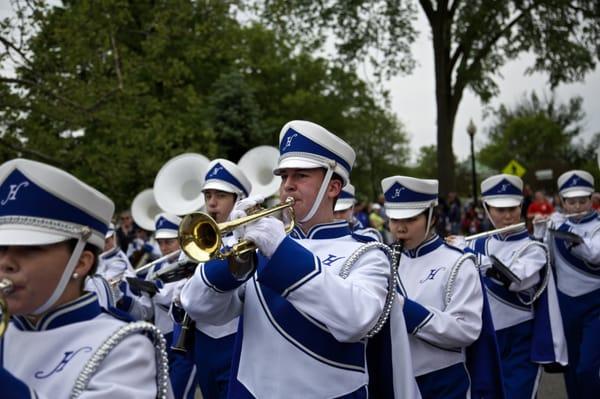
(225,184)
(52,227)
(529,330)
(302,325)
(577,265)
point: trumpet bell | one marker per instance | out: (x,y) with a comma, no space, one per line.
(178,184)
(144,208)
(258,164)
(199,236)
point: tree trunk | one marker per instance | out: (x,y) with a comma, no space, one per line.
(446,105)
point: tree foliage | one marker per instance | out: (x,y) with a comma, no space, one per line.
(111,90)
(539,134)
(471,40)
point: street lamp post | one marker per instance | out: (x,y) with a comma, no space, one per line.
(471,130)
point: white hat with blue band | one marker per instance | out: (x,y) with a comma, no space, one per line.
(42,205)
(306,145)
(167,225)
(346,199)
(502,191)
(224,175)
(575,183)
(406,197)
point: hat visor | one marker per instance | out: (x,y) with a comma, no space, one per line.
(296,163)
(403,213)
(576,193)
(220,186)
(166,234)
(503,202)
(109,234)
(342,205)
(11,235)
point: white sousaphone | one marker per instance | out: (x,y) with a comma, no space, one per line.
(144,208)
(178,184)
(258,164)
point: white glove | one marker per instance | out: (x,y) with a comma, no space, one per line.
(557,219)
(540,226)
(267,233)
(239,211)
(457,241)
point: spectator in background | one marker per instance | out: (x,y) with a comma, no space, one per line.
(526,201)
(454,214)
(126,230)
(375,219)
(540,206)
(361,214)
(471,222)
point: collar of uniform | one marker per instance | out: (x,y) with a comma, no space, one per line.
(336,229)
(514,236)
(586,219)
(85,307)
(110,253)
(425,247)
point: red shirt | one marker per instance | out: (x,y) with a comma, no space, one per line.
(541,208)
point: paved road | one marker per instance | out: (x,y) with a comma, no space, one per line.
(552,387)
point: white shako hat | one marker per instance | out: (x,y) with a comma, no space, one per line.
(575,183)
(346,199)
(502,191)
(111,230)
(166,225)
(41,205)
(224,175)
(306,145)
(406,197)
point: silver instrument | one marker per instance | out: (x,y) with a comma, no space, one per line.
(506,229)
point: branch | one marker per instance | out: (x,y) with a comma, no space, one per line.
(117,60)
(36,85)
(36,154)
(10,45)
(428,8)
(453,8)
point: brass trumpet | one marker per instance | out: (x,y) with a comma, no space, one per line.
(6,287)
(200,236)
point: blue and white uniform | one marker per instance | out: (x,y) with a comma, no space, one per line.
(41,206)
(529,334)
(345,202)
(301,321)
(578,280)
(45,359)
(443,296)
(302,326)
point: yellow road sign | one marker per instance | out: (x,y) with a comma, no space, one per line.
(514,168)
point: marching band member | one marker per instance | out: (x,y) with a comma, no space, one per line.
(302,325)
(224,185)
(577,268)
(443,300)
(52,227)
(344,210)
(112,264)
(182,370)
(529,333)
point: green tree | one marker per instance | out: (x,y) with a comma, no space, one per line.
(539,134)
(471,40)
(111,90)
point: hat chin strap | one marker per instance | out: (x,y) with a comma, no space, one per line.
(320,194)
(487,212)
(429,216)
(66,276)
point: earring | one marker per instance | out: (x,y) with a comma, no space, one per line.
(75,276)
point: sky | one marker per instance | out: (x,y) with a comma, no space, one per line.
(413,98)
